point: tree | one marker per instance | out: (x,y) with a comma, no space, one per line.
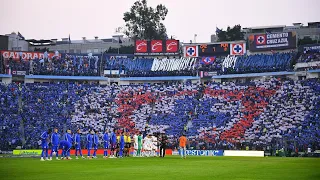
(231,34)
(122,50)
(306,40)
(143,22)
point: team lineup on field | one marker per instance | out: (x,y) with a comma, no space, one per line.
(119,145)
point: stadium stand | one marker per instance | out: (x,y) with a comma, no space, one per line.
(17,65)
(261,63)
(258,114)
(189,67)
(66,66)
(144,67)
(10,117)
(310,56)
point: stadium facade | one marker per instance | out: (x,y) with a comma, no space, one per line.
(261,93)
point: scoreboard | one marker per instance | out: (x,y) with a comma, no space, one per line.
(221,49)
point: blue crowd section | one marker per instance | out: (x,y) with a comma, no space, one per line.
(244,64)
(274,113)
(129,64)
(262,63)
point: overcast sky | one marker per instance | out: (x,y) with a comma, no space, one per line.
(49,19)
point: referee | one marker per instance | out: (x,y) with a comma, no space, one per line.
(127,140)
(163,144)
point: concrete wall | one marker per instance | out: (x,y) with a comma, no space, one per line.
(6,80)
(313,75)
(92,47)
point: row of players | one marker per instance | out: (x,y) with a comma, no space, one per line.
(119,145)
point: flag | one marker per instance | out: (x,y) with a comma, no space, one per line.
(20,36)
(207,60)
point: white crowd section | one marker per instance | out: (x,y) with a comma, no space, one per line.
(173,64)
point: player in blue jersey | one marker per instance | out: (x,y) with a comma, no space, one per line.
(95,144)
(89,142)
(121,145)
(68,137)
(65,146)
(113,143)
(55,138)
(105,144)
(77,144)
(44,143)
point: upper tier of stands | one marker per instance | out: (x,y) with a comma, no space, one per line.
(141,67)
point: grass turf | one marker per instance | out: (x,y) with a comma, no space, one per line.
(168,168)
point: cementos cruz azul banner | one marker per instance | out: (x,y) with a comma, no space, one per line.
(204,152)
(272,41)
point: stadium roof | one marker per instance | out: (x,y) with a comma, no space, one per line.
(226,42)
(40,42)
(5,75)
(253,75)
(266,27)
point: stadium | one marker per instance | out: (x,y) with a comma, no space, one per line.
(145,105)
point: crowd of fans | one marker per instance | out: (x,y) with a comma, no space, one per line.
(10,117)
(259,114)
(309,56)
(149,67)
(241,64)
(66,66)
(261,63)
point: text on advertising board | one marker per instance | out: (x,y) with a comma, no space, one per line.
(272,41)
(204,152)
(24,55)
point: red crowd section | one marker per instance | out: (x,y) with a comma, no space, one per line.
(252,99)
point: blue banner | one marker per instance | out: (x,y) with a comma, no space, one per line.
(309,47)
(204,152)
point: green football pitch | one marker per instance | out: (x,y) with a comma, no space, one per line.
(157,168)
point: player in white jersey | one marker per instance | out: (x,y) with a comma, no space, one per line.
(154,146)
(135,145)
(147,143)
